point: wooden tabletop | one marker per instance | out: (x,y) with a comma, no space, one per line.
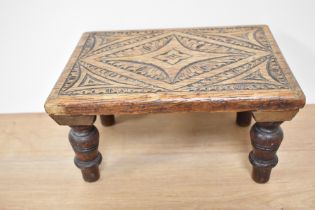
(196,69)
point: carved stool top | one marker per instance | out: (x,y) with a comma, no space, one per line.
(194,69)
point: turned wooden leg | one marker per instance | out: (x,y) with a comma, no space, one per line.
(243,118)
(84,141)
(108,120)
(266,138)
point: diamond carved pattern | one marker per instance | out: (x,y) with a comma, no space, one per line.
(172,57)
(183,60)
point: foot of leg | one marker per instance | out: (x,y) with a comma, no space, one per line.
(243,118)
(84,141)
(108,120)
(266,138)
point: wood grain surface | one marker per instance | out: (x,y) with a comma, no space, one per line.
(161,161)
(236,68)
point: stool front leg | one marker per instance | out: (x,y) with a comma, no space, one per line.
(266,138)
(84,141)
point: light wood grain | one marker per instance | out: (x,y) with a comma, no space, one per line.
(238,68)
(161,161)
(275,116)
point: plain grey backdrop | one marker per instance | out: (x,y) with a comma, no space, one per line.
(38,36)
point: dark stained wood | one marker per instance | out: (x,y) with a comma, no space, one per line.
(266,138)
(243,118)
(84,141)
(174,70)
(107,120)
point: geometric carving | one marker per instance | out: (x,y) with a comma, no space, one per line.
(180,60)
(255,76)
(172,57)
(91,81)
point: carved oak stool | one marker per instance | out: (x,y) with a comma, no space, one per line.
(223,69)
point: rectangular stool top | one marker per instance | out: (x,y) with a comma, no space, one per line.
(195,69)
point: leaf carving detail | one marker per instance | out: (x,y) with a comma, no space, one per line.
(147,70)
(145,48)
(200,67)
(203,46)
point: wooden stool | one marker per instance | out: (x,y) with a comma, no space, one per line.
(223,69)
